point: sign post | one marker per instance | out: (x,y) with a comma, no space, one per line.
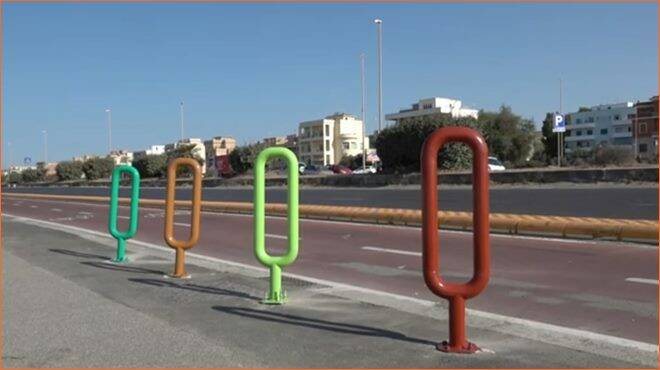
(457,294)
(558,126)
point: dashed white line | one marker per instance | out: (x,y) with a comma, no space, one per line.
(34,206)
(181,224)
(394,251)
(642,280)
(276,236)
(124,217)
(56,210)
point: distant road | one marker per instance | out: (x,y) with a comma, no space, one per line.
(611,201)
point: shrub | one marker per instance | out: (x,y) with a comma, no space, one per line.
(614,156)
(98,168)
(69,170)
(31,175)
(151,166)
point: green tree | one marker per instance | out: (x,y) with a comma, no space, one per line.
(242,158)
(98,168)
(510,137)
(31,175)
(185,151)
(549,138)
(151,166)
(399,146)
(69,170)
(14,177)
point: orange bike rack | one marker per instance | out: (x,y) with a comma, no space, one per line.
(179,245)
(455,293)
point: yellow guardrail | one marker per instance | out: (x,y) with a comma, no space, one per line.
(619,229)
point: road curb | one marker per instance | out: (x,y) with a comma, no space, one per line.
(517,224)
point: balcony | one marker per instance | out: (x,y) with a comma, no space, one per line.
(622,134)
(579,138)
(575,126)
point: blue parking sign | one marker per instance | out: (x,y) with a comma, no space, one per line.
(558,123)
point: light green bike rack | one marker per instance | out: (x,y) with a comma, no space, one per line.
(275,263)
(114,203)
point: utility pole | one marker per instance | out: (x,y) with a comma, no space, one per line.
(181,112)
(560,135)
(379,25)
(109,130)
(364,122)
(45,147)
(9,155)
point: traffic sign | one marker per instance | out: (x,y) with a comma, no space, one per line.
(558,123)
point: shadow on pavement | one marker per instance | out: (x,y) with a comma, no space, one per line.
(194,288)
(337,327)
(78,254)
(116,267)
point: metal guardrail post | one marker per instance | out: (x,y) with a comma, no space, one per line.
(455,293)
(275,263)
(114,205)
(180,245)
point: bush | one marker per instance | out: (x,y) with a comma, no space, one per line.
(13,178)
(242,158)
(98,168)
(399,146)
(184,151)
(31,175)
(614,156)
(69,170)
(151,166)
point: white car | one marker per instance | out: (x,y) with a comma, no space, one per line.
(360,171)
(494,164)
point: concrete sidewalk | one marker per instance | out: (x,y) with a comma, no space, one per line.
(66,306)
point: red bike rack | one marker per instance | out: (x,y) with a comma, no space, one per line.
(455,293)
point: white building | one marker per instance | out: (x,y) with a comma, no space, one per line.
(326,141)
(432,106)
(198,150)
(600,125)
(121,157)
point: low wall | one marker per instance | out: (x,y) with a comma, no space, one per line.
(522,176)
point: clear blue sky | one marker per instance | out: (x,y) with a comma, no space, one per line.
(256,70)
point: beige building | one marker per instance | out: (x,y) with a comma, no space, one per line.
(218,146)
(121,157)
(326,141)
(198,151)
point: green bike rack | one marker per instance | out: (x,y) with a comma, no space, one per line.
(114,203)
(275,263)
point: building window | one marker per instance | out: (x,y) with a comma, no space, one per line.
(603,131)
(590,119)
(617,117)
(578,133)
(327,130)
(327,159)
(428,106)
(642,128)
(345,145)
(578,121)
(643,148)
(590,132)
(327,145)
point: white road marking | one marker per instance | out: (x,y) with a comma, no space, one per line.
(33,206)
(276,236)
(592,342)
(124,217)
(643,281)
(181,224)
(394,251)
(56,210)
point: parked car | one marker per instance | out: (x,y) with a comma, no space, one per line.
(311,170)
(494,164)
(368,169)
(339,169)
(301,168)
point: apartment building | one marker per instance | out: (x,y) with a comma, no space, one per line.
(326,141)
(646,128)
(152,150)
(433,106)
(217,147)
(600,125)
(198,151)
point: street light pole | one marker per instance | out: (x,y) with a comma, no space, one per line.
(379,25)
(45,147)
(9,154)
(181,112)
(559,134)
(364,123)
(109,130)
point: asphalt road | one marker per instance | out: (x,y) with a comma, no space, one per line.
(609,201)
(601,287)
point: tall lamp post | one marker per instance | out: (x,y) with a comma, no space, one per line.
(45,147)
(9,155)
(364,123)
(109,112)
(379,25)
(181,113)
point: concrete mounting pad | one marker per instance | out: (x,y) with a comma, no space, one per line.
(67,306)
